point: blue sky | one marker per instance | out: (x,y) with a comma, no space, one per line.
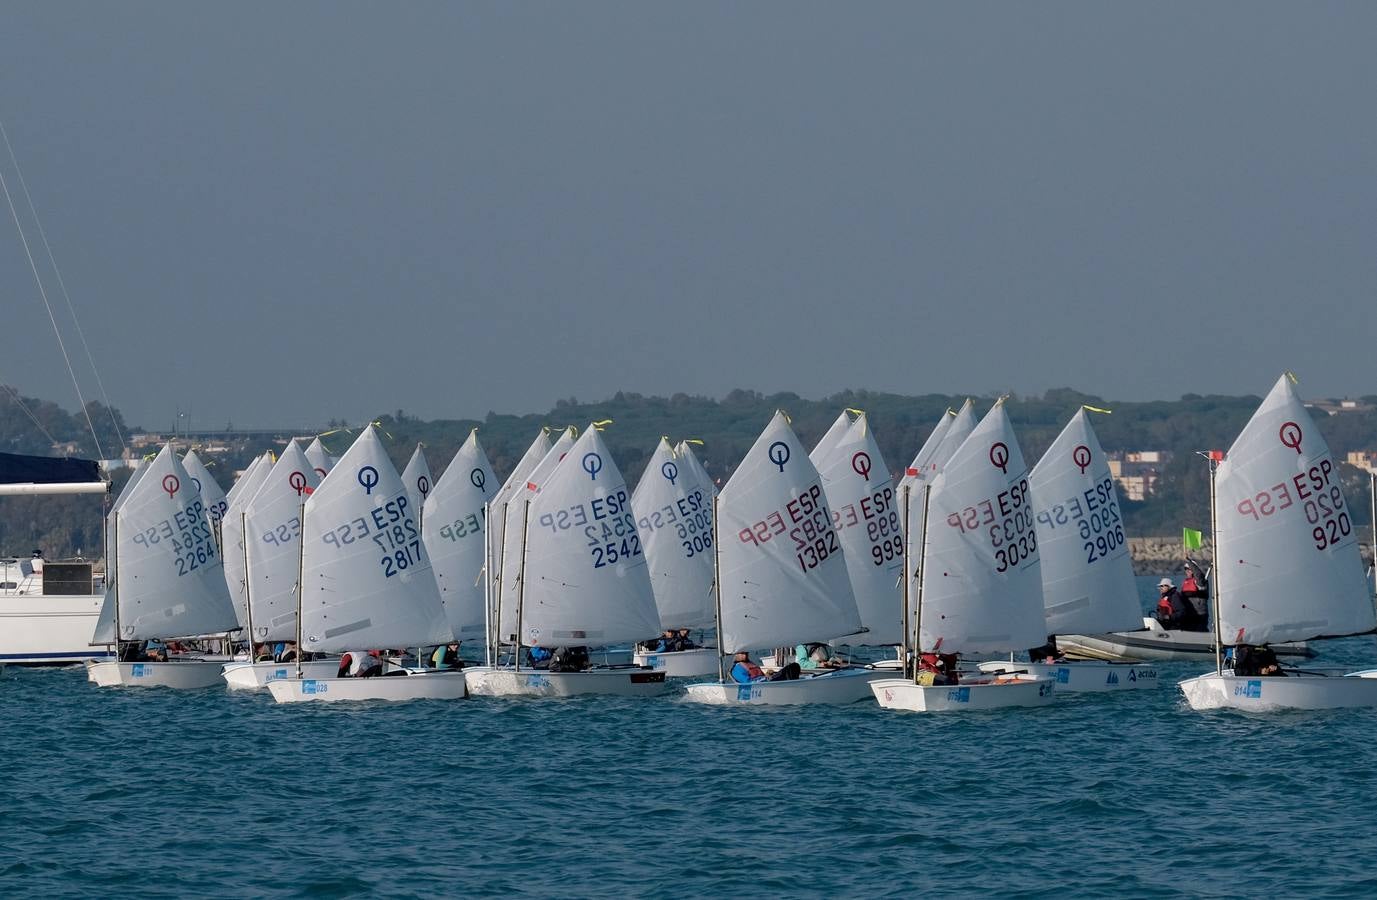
(282,213)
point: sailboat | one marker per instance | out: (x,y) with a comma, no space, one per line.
(866,516)
(1287,566)
(321,461)
(979,579)
(454,528)
(780,574)
(950,433)
(211,494)
(232,539)
(581,579)
(417,478)
(673,510)
(168,581)
(501,507)
(1087,574)
(270,527)
(365,582)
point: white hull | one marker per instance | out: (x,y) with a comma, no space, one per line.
(51,629)
(247,676)
(431,685)
(182,674)
(1018,690)
(505,682)
(680,663)
(1157,644)
(1271,693)
(1084,676)
(832,689)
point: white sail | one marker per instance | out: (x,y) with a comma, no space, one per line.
(169,578)
(585,577)
(982,584)
(674,518)
(418,480)
(507,502)
(105,621)
(454,528)
(321,461)
(365,571)
(211,494)
(831,438)
(866,517)
(232,534)
(515,526)
(783,578)
(1087,574)
(936,451)
(244,477)
(1286,560)
(695,468)
(271,534)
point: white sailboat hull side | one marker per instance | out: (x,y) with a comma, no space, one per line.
(484,681)
(1157,644)
(679,663)
(181,674)
(1018,691)
(391,688)
(46,628)
(1084,676)
(832,689)
(1269,694)
(247,676)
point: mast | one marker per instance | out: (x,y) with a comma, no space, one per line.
(300,590)
(717,590)
(903,654)
(487,580)
(114,554)
(521,585)
(1214,582)
(248,604)
(497,599)
(922,565)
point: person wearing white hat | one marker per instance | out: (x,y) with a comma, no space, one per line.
(1171,611)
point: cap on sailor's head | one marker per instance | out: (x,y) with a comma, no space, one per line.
(1166,582)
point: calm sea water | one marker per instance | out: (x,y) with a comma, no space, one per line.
(117,792)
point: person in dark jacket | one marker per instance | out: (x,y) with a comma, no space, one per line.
(1195,589)
(1256,661)
(1172,610)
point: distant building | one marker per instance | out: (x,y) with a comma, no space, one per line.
(1335,407)
(1136,471)
(1363,459)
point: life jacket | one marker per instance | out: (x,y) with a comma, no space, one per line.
(928,663)
(1164,610)
(752,669)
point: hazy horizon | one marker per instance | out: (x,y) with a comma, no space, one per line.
(278,214)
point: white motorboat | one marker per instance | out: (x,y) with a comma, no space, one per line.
(49,609)
(979,577)
(1287,563)
(1157,644)
(580,578)
(349,595)
(781,577)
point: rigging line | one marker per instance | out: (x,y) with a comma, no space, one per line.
(62,284)
(28,412)
(23,238)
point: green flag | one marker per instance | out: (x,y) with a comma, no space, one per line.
(1191,538)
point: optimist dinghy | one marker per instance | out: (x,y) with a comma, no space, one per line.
(581,579)
(1087,575)
(454,529)
(781,575)
(1287,565)
(979,579)
(167,579)
(365,581)
(673,507)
